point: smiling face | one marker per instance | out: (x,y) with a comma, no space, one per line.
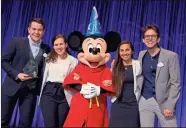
(94,48)
(151,38)
(94,52)
(125,52)
(60,46)
(36,31)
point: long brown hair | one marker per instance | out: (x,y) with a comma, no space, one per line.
(52,56)
(118,70)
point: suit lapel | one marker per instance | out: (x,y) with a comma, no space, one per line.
(43,48)
(26,49)
(141,60)
(159,60)
(134,67)
(134,74)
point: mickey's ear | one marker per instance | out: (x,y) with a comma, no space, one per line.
(113,39)
(75,40)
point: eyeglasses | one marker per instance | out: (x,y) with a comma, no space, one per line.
(147,37)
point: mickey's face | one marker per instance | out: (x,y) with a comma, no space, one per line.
(94,52)
(95,49)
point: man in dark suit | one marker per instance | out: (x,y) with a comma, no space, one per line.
(18,83)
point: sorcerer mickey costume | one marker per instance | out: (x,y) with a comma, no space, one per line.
(89,104)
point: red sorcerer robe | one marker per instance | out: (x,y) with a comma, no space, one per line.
(80,114)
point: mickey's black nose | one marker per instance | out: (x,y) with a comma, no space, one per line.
(94,50)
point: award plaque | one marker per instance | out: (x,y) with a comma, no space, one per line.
(31,68)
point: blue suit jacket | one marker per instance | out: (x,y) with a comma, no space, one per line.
(13,61)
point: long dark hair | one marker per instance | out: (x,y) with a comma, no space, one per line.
(118,70)
(52,56)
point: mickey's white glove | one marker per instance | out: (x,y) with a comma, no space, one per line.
(90,90)
(90,96)
(85,90)
(96,89)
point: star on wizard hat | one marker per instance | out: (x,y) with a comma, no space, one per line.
(94,27)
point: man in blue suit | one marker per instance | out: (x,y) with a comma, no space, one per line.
(18,84)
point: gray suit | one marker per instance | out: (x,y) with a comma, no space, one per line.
(167,87)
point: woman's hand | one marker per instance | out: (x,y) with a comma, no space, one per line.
(107,82)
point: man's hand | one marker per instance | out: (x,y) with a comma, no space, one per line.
(167,113)
(24,77)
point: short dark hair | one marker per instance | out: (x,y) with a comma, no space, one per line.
(37,20)
(153,27)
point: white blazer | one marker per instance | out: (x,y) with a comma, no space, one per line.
(68,93)
(136,71)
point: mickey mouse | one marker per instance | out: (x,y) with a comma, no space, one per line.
(89,104)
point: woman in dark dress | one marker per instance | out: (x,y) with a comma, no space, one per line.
(124,109)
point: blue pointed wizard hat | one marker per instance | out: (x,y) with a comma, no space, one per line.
(94,27)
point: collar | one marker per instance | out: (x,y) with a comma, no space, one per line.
(31,42)
(155,56)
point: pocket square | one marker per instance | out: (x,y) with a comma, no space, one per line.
(160,64)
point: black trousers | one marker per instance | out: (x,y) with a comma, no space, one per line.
(27,102)
(54,105)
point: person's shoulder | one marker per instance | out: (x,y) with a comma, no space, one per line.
(72,58)
(136,62)
(169,53)
(143,51)
(19,39)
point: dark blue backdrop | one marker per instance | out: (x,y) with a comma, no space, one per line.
(124,16)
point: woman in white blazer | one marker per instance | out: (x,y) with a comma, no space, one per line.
(54,99)
(124,109)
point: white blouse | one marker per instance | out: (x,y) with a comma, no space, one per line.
(59,70)
(56,72)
